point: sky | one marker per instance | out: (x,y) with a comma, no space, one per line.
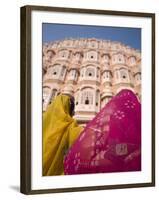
(127,36)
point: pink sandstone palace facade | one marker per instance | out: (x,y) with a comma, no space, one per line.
(92,70)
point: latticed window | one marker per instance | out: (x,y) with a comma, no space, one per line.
(63,54)
(118,58)
(87,97)
(73,72)
(106,75)
(124,74)
(46,93)
(77,56)
(50,54)
(55,70)
(121,58)
(106,57)
(138,77)
(53,95)
(92,55)
(132,60)
(90,72)
(63,70)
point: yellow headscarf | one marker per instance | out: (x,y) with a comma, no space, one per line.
(60,131)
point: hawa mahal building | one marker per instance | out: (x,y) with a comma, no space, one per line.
(92,70)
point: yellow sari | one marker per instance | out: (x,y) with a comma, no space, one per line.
(60,131)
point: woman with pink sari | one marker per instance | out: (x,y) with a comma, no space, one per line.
(111,142)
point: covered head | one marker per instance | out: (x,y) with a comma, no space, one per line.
(111,142)
(60,131)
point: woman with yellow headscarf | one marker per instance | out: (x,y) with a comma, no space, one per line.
(60,131)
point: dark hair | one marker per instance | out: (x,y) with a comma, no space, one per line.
(72,106)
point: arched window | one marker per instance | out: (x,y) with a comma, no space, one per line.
(118,59)
(87,96)
(63,54)
(53,95)
(46,93)
(50,54)
(132,61)
(124,74)
(106,76)
(121,58)
(63,70)
(86,100)
(92,55)
(90,72)
(105,58)
(73,75)
(54,70)
(138,77)
(77,56)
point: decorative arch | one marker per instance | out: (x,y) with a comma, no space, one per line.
(63,70)
(50,53)
(45,86)
(118,58)
(50,50)
(106,57)
(54,70)
(87,96)
(75,53)
(87,86)
(138,77)
(124,74)
(132,60)
(63,53)
(92,55)
(106,75)
(90,72)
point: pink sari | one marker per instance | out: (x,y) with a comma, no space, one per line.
(111,142)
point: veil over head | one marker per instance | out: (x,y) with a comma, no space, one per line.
(111,142)
(60,131)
